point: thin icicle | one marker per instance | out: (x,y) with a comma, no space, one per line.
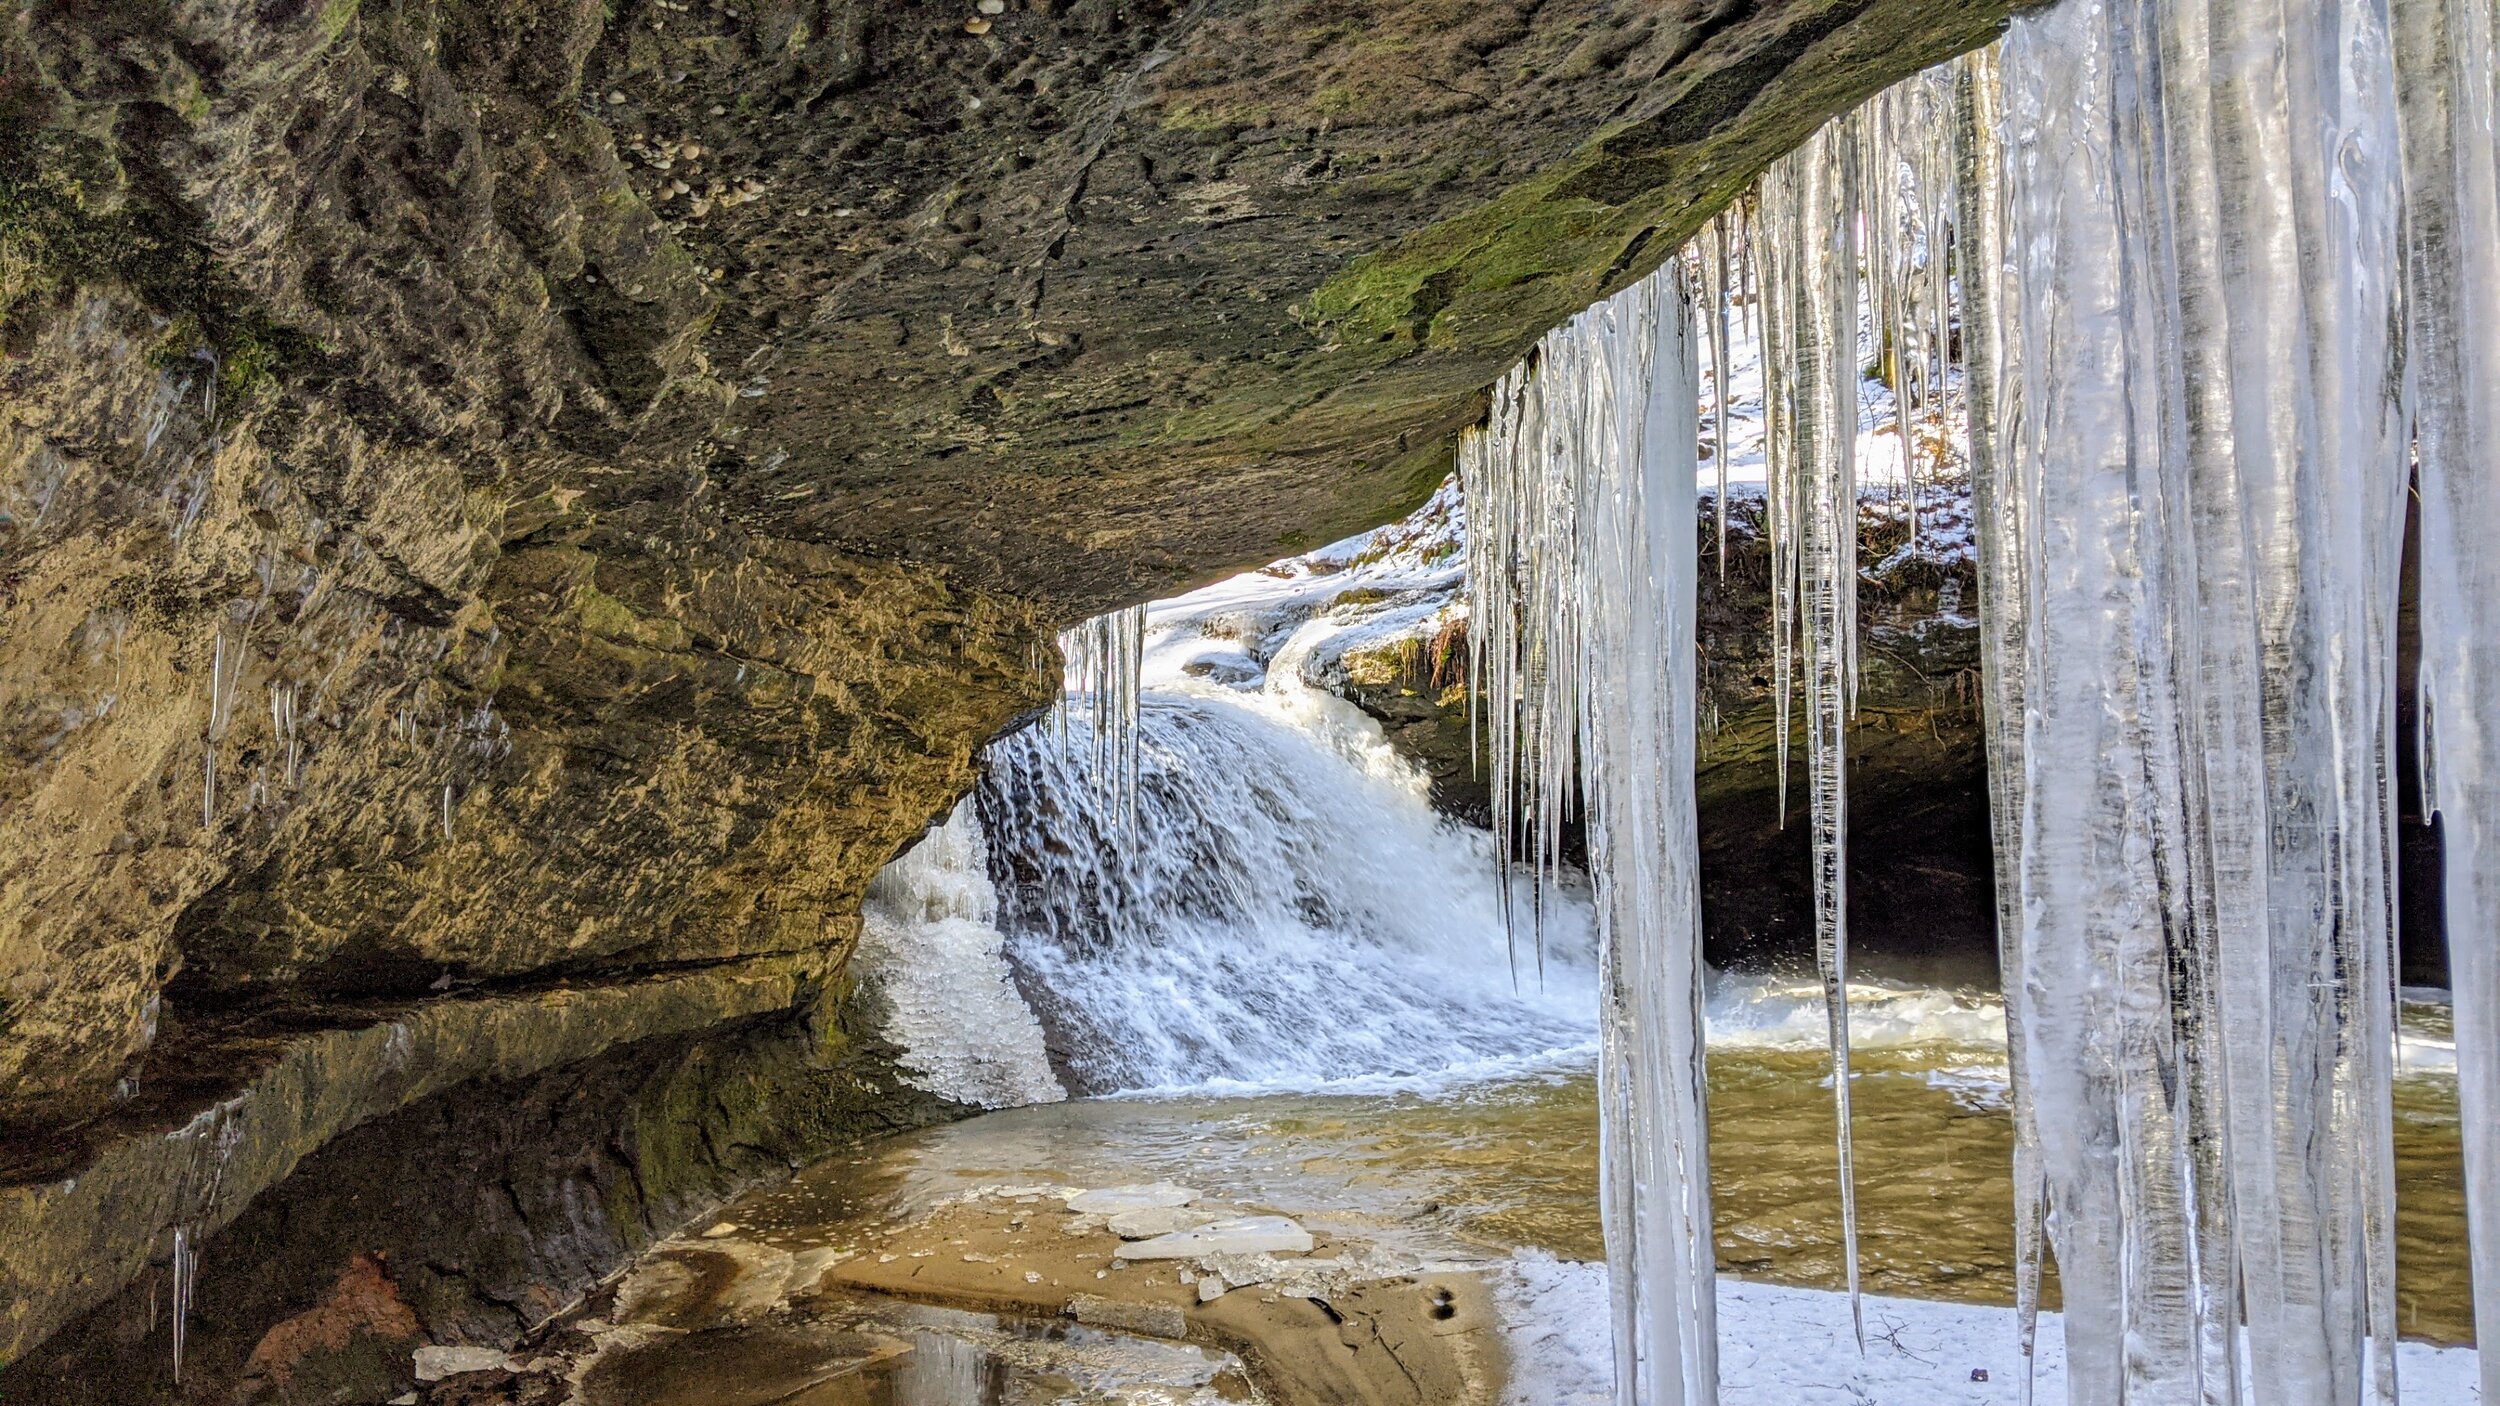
(1978,113)
(1776,307)
(1103,658)
(1722,382)
(1811,199)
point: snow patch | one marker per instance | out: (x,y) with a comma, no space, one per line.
(1780,1346)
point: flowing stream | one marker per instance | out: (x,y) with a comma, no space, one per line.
(1286,980)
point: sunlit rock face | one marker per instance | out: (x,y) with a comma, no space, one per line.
(441,558)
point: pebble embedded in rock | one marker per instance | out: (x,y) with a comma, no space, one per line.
(435,1361)
(724,1228)
(992,7)
(976,25)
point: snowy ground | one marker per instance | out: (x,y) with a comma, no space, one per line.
(1792,1347)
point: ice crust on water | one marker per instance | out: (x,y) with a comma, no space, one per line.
(1241,1235)
(1145,1196)
(1581,572)
(930,949)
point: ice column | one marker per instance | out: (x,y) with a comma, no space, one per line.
(2197,451)
(931,952)
(1581,562)
(2453,188)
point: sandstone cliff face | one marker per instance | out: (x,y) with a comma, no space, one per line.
(507,499)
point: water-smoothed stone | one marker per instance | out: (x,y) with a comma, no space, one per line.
(1144,1196)
(1244,1235)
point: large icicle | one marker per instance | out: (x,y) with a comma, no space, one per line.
(1810,213)
(2202,476)
(1582,564)
(2449,108)
(1986,298)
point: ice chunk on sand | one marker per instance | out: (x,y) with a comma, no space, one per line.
(1147,1196)
(1247,1235)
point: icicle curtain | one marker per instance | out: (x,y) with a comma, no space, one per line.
(2220,274)
(2198,450)
(1581,567)
(1104,657)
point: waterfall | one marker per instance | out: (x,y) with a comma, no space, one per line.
(2216,271)
(1286,911)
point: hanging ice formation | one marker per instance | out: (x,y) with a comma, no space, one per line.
(2199,447)
(1979,236)
(1863,202)
(931,954)
(2447,102)
(1809,221)
(1581,570)
(1099,698)
(2179,226)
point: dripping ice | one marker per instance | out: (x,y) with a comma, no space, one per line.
(1581,580)
(934,959)
(1098,701)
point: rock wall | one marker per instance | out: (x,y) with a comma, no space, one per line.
(509,498)
(470,1218)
